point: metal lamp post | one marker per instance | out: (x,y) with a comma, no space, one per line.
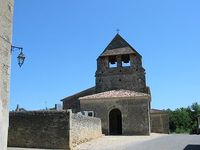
(21,57)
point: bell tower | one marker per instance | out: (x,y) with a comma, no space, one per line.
(120,67)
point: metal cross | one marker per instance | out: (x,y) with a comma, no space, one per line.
(117,30)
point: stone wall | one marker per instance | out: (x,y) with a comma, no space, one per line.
(51,129)
(135,113)
(129,78)
(159,122)
(39,129)
(6,15)
(84,129)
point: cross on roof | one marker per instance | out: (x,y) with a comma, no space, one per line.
(117,30)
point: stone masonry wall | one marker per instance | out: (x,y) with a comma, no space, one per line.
(135,113)
(39,129)
(159,122)
(84,129)
(51,129)
(129,78)
(6,15)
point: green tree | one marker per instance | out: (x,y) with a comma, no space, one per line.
(180,120)
(194,112)
(184,120)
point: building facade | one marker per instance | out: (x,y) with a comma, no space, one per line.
(6,15)
(122,112)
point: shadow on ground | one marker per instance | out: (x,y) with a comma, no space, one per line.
(192,147)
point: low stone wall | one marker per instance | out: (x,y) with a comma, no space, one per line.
(84,129)
(159,122)
(39,129)
(51,129)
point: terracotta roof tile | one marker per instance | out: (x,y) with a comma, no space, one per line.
(115,94)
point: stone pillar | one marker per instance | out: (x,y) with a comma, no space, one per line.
(132,57)
(106,62)
(119,61)
(6,17)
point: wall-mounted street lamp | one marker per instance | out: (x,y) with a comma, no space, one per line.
(21,57)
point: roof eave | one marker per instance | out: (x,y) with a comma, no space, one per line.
(147,97)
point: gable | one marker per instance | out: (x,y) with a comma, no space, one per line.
(119,46)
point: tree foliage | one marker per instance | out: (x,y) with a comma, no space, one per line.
(184,120)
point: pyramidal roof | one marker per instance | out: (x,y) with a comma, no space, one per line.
(119,46)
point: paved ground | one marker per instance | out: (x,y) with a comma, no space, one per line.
(153,142)
(170,142)
(115,142)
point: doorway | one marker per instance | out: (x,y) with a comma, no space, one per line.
(115,122)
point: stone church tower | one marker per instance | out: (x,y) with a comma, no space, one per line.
(120,97)
(120,67)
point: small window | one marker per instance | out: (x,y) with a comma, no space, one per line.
(113,65)
(125,61)
(126,64)
(112,62)
(90,114)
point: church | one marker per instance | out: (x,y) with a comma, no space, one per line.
(120,98)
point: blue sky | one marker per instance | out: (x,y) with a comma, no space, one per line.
(63,38)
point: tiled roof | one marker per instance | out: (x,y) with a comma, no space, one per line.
(115,94)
